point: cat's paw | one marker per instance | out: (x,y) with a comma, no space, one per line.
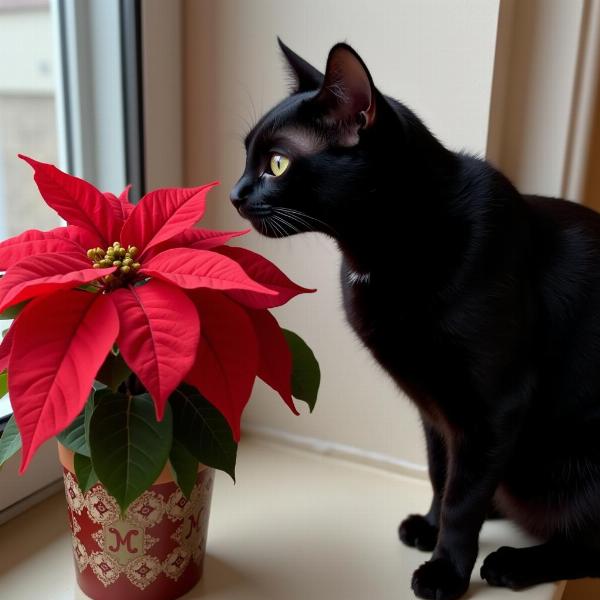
(438,579)
(506,568)
(415,531)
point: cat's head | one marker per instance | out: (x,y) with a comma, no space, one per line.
(315,157)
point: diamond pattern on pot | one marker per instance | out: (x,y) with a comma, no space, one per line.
(102,507)
(106,569)
(80,554)
(98,537)
(149,542)
(177,537)
(162,532)
(73,494)
(75,527)
(178,506)
(175,563)
(143,571)
(147,510)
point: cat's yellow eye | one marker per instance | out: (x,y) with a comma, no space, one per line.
(279,164)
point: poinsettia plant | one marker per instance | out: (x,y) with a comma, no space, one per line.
(137,337)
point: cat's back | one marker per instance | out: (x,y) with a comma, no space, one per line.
(550,213)
(565,245)
(565,270)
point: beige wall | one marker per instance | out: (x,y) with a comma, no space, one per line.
(591,191)
(534,99)
(437,56)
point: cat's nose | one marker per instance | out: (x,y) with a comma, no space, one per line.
(239,193)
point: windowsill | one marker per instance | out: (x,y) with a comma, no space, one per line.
(297,525)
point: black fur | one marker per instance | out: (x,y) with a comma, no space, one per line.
(481,303)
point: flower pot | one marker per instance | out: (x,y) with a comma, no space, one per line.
(155,551)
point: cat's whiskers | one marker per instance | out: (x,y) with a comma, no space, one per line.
(289,217)
(302,215)
(276,229)
(284,233)
(288,210)
(306,226)
(265,225)
(286,224)
(281,222)
(279,233)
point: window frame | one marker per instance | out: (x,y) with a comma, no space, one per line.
(99,112)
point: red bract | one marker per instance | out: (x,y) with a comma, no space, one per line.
(158,337)
(227,359)
(179,305)
(59,342)
(275,358)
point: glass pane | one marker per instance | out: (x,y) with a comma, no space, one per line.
(27,117)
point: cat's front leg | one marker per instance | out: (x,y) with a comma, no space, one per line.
(421,531)
(473,475)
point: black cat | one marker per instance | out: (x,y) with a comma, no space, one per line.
(481,303)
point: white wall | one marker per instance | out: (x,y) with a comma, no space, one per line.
(437,57)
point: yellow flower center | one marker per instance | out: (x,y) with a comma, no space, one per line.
(115,256)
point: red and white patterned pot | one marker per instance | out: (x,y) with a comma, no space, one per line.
(153,552)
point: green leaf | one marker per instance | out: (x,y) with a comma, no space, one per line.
(94,398)
(84,471)
(114,371)
(12,312)
(3,384)
(203,430)
(73,437)
(306,374)
(184,467)
(129,447)
(10,442)
(76,436)
(88,287)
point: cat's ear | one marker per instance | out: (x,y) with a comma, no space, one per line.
(306,77)
(348,94)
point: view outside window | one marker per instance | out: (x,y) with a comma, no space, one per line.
(27,112)
(27,117)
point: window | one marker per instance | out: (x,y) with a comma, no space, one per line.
(28,122)
(69,95)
